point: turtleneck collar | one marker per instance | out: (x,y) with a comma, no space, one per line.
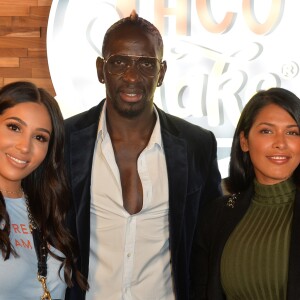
(280,193)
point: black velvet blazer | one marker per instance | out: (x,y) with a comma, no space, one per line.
(193,179)
(218,223)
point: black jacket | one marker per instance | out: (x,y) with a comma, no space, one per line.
(193,178)
(218,223)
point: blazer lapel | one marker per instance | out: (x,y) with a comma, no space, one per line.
(81,160)
(176,160)
(82,143)
(232,213)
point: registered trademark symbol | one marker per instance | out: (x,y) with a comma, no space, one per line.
(290,70)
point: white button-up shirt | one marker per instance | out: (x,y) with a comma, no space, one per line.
(129,254)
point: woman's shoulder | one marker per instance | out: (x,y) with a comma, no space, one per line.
(226,203)
(221,202)
(213,209)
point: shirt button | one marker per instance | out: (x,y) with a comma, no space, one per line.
(128,255)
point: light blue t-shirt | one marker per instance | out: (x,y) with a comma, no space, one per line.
(18,275)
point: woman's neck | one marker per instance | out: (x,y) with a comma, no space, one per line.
(12,192)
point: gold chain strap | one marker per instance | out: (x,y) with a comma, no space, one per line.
(46,295)
(42,279)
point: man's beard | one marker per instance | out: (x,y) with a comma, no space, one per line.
(129,112)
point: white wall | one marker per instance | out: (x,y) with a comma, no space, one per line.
(219,53)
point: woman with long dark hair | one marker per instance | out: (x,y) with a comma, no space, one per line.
(38,252)
(248,246)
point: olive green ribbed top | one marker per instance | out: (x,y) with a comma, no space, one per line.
(254,263)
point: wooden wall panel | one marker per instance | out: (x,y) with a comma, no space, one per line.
(13,52)
(20,32)
(15,72)
(9,62)
(5,21)
(16,10)
(23,53)
(18,2)
(44,2)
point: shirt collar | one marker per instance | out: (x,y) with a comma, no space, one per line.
(102,127)
(156,133)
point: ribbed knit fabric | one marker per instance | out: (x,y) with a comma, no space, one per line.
(254,263)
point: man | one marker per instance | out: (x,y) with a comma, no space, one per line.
(138,176)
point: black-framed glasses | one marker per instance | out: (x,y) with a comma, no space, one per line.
(147,65)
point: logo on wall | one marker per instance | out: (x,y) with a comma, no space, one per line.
(219,53)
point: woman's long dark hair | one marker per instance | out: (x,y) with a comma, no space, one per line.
(241,171)
(46,187)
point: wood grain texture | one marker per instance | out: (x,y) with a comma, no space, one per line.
(23,52)
(9,62)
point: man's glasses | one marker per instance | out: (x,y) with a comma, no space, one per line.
(118,64)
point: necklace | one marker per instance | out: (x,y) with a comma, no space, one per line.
(20,191)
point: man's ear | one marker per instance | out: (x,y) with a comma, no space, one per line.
(99,66)
(162,73)
(243,142)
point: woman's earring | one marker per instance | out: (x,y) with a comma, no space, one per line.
(102,80)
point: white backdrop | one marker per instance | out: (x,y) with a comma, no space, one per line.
(219,53)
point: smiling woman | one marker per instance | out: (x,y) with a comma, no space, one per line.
(25,131)
(273,145)
(247,247)
(33,197)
